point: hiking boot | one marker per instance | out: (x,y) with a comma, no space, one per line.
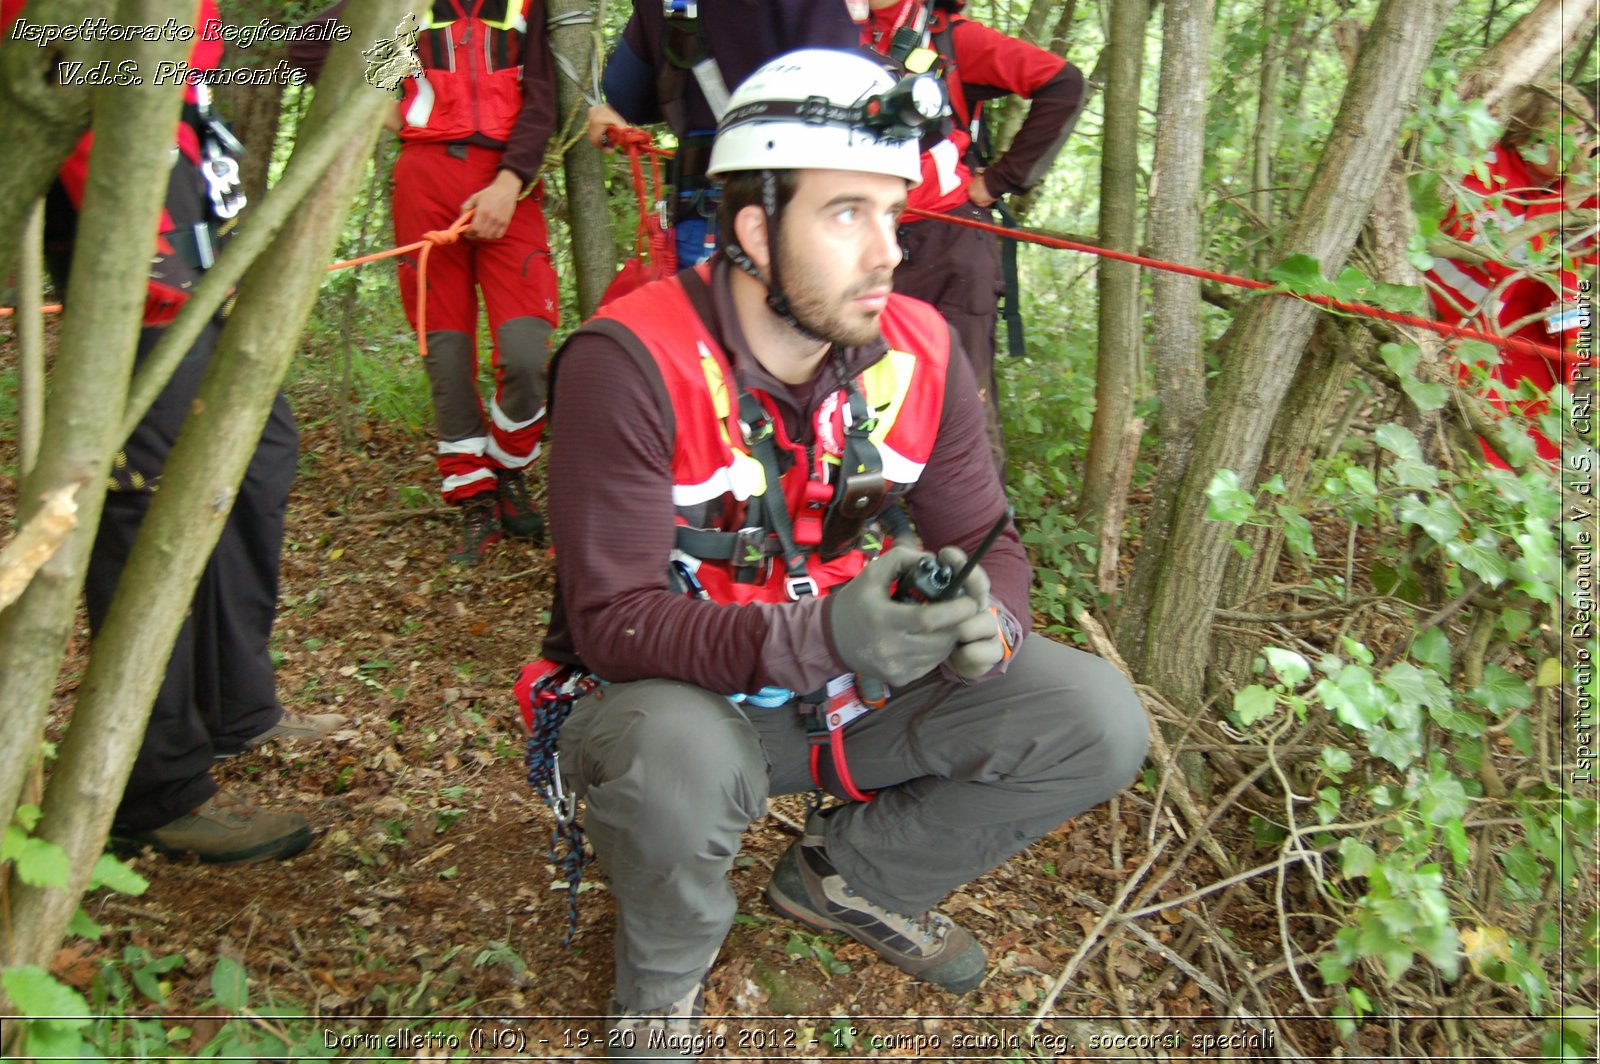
(806,887)
(297,727)
(518,516)
(671,1032)
(480,528)
(227,830)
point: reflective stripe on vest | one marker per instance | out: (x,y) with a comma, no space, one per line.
(713,473)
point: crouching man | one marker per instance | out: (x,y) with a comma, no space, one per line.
(751,416)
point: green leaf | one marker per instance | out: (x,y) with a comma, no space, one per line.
(1291,668)
(1297,532)
(1300,274)
(1356,857)
(1502,691)
(114,874)
(1523,866)
(1437,517)
(1515,623)
(1521,734)
(229,984)
(1443,798)
(1253,703)
(1432,648)
(1550,673)
(38,862)
(1455,839)
(1426,396)
(83,925)
(36,993)
(1336,761)
(1458,721)
(1481,557)
(1399,748)
(1410,684)
(1401,359)
(1226,501)
(1360,480)
(1398,441)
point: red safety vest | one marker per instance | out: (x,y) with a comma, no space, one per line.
(714,473)
(472,75)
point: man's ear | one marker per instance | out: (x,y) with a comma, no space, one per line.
(750,227)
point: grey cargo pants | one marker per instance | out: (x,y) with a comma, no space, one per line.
(966,775)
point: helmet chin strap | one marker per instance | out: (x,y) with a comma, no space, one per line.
(777,299)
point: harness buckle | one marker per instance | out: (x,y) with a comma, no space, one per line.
(800,585)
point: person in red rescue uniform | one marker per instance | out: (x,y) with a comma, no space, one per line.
(754,414)
(218,696)
(1524,285)
(955,268)
(473,130)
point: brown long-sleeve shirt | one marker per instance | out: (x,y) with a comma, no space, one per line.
(612,520)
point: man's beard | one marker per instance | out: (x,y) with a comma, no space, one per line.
(825,316)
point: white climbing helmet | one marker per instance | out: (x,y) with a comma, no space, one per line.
(820,108)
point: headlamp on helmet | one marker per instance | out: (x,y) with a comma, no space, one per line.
(915,101)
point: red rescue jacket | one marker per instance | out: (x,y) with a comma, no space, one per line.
(472,74)
(714,473)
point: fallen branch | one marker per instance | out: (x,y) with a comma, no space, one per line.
(1094,934)
(1158,744)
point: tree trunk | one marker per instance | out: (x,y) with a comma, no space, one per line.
(99,330)
(1118,356)
(1266,348)
(1174,235)
(594,249)
(1529,50)
(198,483)
(40,118)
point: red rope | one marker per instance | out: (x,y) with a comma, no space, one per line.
(637,142)
(1509,343)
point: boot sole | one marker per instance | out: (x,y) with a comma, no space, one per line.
(283,847)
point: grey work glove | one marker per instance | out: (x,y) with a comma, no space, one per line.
(895,642)
(979,643)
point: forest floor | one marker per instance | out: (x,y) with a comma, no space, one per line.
(428,901)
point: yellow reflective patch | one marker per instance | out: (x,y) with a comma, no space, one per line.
(886,382)
(920,61)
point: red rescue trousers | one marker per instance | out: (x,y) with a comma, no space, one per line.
(431,181)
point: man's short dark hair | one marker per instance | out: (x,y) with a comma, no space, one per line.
(742,189)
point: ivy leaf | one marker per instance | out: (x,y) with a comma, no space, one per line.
(1297,531)
(1432,648)
(1455,839)
(1523,866)
(1290,667)
(1356,857)
(1412,685)
(1398,441)
(1501,691)
(1550,673)
(1302,275)
(1226,501)
(1336,761)
(1458,721)
(1437,517)
(1521,733)
(1253,703)
(1399,748)
(1443,798)
(1360,480)
(1481,557)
